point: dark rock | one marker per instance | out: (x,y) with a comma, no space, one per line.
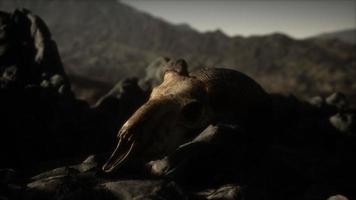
(118,104)
(91,165)
(28,52)
(144,189)
(327,191)
(179,65)
(7,175)
(12,191)
(78,181)
(338,197)
(217,149)
(126,91)
(58,172)
(337,99)
(76,186)
(156,70)
(226,192)
(317,101)
(154,73)
(10,187)
(41,119)
(344,122)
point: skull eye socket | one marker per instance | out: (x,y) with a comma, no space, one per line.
(192,110)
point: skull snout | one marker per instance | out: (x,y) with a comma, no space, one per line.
(138,132)
(121,153)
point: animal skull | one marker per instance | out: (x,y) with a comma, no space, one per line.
(174,109)
(177,109)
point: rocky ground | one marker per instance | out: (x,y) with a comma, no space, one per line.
(53,145)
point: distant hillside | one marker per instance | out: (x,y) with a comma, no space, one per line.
(348,36)
(105,41)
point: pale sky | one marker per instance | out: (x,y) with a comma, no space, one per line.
(299,19)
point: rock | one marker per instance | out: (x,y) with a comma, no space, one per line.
(40,117)
(118,104)
(126,90)
(225,192)
(343,122)
(28,51)
(9,77)
(159,167)
(12,191)
(90,165)
(154,73)
(10,187)
(90,160)
(69,182)
(337,99)
(317,101)
(144,189)
(56,81)
(79,186)
(78,182)
(203,160)
(57,172)
(337,197)
(7,176)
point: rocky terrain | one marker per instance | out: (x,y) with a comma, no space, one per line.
(53,145)
(102,42)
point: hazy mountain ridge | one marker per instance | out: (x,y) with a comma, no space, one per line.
(107,41)
(348,36)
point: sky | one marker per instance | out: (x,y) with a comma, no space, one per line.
(299,19)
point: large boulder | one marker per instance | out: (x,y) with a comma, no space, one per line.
(28,55)
(40,118)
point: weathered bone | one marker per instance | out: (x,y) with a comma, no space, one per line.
(184,104)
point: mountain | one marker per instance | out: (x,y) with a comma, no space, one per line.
(106,41)
(348,36)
